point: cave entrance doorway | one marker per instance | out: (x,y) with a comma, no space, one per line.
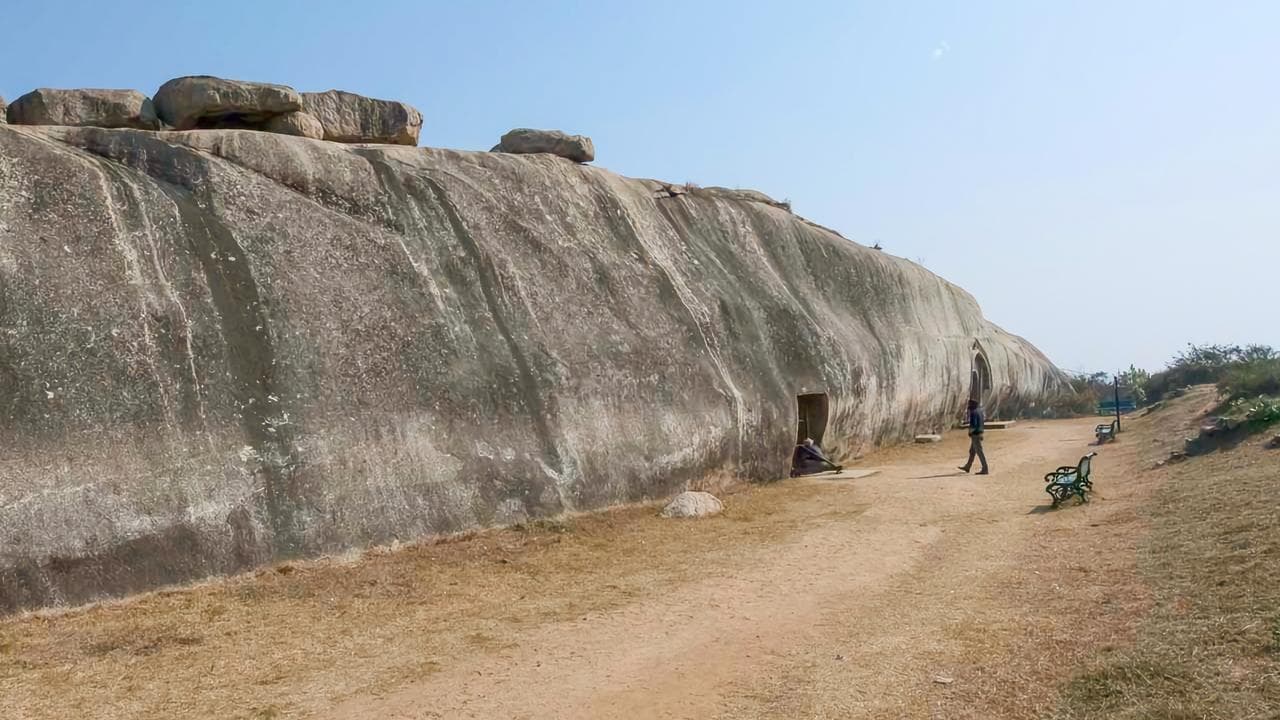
(811,410)
(979,379)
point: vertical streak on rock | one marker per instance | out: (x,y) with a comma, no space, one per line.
(488,276)
(251,357)
(110,179)
(698,312)
(539,414)
(157,266)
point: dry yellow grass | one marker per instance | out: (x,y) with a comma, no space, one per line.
(297,637)
(1210,646)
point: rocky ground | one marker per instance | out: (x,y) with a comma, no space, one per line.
(914,592)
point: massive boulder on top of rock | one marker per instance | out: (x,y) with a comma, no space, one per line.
(221,347)
(577,148)
(201,101)
(350,118)
(85,107)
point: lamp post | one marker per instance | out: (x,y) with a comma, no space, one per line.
(1117,381)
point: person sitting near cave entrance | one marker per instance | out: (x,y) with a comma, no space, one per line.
(808,459)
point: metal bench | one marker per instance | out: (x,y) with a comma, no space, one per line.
(1108,431)
(1067,481)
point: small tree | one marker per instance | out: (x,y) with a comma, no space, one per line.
(1136,379)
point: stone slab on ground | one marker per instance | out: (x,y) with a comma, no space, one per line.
(928,438)
(843,475)
(1000,424)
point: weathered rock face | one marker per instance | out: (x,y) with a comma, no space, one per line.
(350,118)
(222,347)
(92,107)
(742,194)
(300,124)
(3,111)
(201,101)
(521,141)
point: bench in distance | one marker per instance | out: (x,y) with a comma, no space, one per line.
(1067,481)
(1107,432)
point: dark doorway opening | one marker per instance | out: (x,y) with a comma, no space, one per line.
(812,412)
(979,379)
(811,424)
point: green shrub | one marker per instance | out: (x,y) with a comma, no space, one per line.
(1257,411)
(1251,379)
(1068,404)
(1136,380)
(1263,411)
(1203,364)
(1078,400)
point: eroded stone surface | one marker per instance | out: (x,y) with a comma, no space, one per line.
(351,118)
(84,107)
(744,195)
(222,347)
(577,148)
(300,124)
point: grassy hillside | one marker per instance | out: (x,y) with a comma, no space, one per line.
(1210,647)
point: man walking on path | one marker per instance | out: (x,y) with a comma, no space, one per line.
(976,422)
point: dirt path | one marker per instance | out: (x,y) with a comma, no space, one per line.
(892,582)
(915,592)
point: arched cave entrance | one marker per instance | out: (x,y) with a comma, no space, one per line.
(979,378)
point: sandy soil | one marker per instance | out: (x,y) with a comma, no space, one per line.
(915,592)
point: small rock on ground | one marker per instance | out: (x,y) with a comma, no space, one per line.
(693,504)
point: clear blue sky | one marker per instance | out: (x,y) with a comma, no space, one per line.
(1103,176)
